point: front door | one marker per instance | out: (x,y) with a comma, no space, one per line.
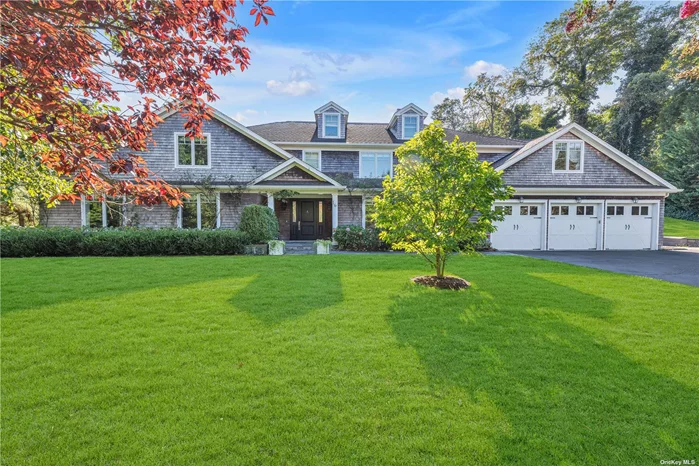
(307,220)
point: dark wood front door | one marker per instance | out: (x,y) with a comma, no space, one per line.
(307,220)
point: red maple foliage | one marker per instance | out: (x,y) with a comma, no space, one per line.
(58,55)
(588,10)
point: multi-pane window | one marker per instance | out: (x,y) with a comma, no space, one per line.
(331,125)
(506,209)
(528,210)
(568,156)
(312,158)
(193,152)
(410,123)
(615,210)
(102,213)
(585,210)
(375,164)
(200,211)
(639,210)
(560,210)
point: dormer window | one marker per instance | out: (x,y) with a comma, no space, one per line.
(568,156)
(410,124)
(331,125)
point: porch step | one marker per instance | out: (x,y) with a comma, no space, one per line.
(299,247)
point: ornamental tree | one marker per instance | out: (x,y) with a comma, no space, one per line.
(63,62)
(440,200)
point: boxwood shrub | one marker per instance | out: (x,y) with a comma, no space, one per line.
(259,223)
(30,242)
(356,238)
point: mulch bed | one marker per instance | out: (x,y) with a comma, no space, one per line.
(445,283)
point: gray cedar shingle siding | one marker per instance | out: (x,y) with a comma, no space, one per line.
(598,170)
(349,210)
(234,157)
(338,161)
(232,205)
(157,216)
(65,214)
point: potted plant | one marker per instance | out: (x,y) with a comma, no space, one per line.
(322,246)
(276,247)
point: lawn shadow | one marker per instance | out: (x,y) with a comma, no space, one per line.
(568,397)
(282,293)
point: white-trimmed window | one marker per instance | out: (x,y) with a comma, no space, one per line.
(410,126)
(200,212)
(367,212)
(312,158)
(375,164)
(192,152)
(331,125)
(101,213)
(568,156)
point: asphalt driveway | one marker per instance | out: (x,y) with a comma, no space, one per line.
(679,266)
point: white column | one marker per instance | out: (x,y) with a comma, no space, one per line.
(270,201)
(334,195)
(218,210)
(104,213)
(363,211)
(83,212)
(198,211)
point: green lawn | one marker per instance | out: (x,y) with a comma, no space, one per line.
(684,228)
(340,360)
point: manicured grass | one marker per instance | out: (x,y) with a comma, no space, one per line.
(340,360)
(683,228)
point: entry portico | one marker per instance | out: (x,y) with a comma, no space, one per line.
(305,200)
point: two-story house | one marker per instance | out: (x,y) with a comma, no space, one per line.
(572,190)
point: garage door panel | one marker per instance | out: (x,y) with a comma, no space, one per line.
(522,228)
(574,226)
(629,226)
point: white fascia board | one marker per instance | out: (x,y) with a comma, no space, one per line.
(592,191)
(331,104)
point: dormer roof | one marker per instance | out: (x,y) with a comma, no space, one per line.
(331,106)
(406,109)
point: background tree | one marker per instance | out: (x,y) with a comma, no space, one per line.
(437,188)
(679,159)
(496,106)
(54,55)
(572,65)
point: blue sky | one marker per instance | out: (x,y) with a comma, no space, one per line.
(372,57)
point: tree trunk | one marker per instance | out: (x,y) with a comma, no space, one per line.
(438,264)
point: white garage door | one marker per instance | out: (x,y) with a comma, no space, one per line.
(574,226)
(521,229)
(629,226)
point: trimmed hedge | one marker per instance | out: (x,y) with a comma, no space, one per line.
(30,242)
(673,212)
(356,238)
(259,223)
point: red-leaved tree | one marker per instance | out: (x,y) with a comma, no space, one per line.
(63,61)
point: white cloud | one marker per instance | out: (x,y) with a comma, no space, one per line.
(482,66)
(245,115)
(291,88)
(453,93)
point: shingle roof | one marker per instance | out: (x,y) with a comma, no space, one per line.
(361,133)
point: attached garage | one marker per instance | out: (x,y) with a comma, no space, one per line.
(631,225)
(575,226)
(523,228)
